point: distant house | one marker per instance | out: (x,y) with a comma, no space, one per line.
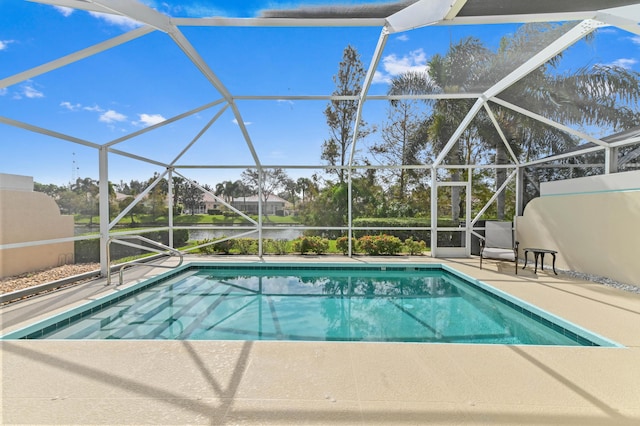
(120,196)
(249,204)
(273,206)
(209,202)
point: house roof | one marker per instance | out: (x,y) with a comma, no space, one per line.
(248,199)
(254,199)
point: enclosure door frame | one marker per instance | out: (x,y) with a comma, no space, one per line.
(465,225)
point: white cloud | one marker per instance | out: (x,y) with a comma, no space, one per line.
(111,116)
(4,44)
(3,91)
(246,123)
(285,101)
(393,65)
(28,91)
(626,63)
(415,61)
(635,40)
(402,37)
(94,108)
(65,11)
(32,93)
(70,106)
(150,119)
(379,77)
(117,20)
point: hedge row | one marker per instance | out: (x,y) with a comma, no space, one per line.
(381,245)
(242,246)
(368,244)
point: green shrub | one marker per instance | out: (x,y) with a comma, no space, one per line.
(297,245)
(342,244)
(223,247)
(209,249)
(368,244)
(390,244)
(313,244)
(246,245)
(380,244)
(415,247)
(275,246)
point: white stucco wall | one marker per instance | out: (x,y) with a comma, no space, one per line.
(592,223)
(16,182)
(590,184)
(25,216)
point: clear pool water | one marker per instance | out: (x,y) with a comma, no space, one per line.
(330,303)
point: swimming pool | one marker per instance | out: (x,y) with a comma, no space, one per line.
(329,302)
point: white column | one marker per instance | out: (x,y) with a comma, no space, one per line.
(350,209)
(260,179)
(434,211)
(170,205)
(519,190)
(610,160)
(103,185)
(467,218)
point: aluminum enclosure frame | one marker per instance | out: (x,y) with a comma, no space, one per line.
(625,15)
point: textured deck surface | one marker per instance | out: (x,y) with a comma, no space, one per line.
(216,382)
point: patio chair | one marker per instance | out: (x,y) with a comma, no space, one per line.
(498,243)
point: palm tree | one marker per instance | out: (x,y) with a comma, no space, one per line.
(603,96)
(227,190)
(242,190)
(307,187)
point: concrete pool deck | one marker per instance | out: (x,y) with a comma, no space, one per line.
(225,382)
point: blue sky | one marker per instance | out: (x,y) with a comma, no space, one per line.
(148,80)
